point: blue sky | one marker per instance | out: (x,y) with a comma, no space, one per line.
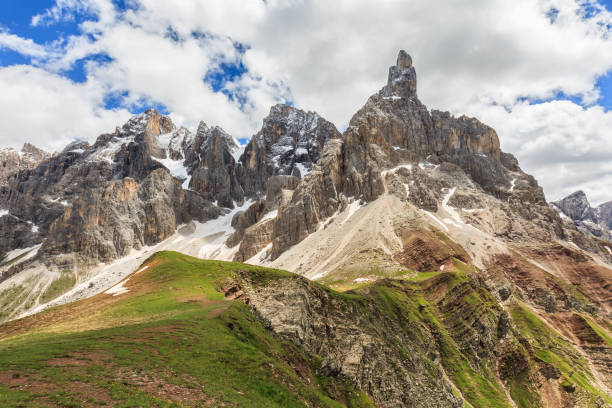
(545,84)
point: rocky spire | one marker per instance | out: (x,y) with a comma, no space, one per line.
(402,78)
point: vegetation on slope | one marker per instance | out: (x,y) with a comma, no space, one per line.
(175,340)
(172,340)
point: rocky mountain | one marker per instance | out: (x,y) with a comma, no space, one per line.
(443,277)
(289,143)
(12,161)
(577,209)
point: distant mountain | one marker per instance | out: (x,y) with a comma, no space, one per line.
(442,277)
(596,221)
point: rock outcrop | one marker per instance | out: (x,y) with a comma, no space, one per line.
(594,221)
(12,161)
(289,143)
(213,163)
(352,342)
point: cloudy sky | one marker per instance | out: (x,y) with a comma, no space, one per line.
(538,71)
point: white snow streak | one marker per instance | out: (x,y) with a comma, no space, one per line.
(512,184)
(118,289)
(352,208)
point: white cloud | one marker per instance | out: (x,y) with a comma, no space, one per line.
(330,56)
(23,46)
(66,10)
(561,143)
(50,111)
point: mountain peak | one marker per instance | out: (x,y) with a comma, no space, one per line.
(402,78)
(404,60)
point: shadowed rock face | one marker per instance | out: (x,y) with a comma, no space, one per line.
(594,221)
(214,168)
(289,143)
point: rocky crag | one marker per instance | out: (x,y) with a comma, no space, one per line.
(596,221)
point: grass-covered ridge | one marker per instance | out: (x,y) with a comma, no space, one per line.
(172,340)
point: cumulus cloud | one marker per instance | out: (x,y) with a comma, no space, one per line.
(23,46)
(563,144)
(487,58)
(50,111)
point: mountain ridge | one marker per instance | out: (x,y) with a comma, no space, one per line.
(415,210)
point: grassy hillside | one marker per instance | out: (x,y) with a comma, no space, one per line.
(173,339)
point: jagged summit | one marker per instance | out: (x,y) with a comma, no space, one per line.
(577,209)
(289,143)
(212,162)
(402,81)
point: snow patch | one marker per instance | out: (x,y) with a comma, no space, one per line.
(427,165)
(436,219)
(269,216)
(4,212)
(144,268)
(260,257)
(472,210)
(185,184)
(176,167)
(352,208)
(608,249)
(108,152)
(392,98)
(303,170)
(102,277)
(393,170)
(562,214)
(237,152)
(118,289)
(359,280)
(29,252)
(450,210)
(512,184)
(215,232)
